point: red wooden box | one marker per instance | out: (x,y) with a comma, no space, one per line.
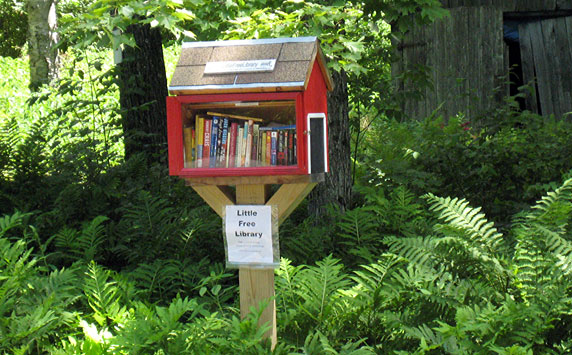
(260,104)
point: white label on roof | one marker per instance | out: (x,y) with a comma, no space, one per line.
(240,66)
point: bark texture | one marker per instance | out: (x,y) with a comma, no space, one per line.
(337,188)
(42,39)
(143,89)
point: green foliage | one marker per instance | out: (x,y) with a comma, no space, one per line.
(13,28)
(105,23)
(403,13)
(341,27)
(501,163)
(85,244)
(112,256)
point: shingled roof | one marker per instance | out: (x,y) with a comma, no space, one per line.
(294,60)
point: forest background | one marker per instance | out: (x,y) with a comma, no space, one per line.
(102,252)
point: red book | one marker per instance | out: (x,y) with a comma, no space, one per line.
(232,143)
(207,142)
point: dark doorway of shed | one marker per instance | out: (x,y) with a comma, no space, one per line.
(512,41)
(540,57)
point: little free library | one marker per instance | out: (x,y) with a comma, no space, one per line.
(250,114)
(249,108)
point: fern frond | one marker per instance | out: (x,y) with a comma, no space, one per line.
(170,316)
(286,284)
(102,295)
(428,339)
(8,222)
(418,250)
(158,280)
(359,233)
(546,206)
(373,275)
(91,237)
(458,214)
(320,287)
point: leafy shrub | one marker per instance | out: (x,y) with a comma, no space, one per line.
(501,162)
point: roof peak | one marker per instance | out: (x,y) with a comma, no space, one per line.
(240,42)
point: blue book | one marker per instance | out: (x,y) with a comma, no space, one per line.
(223,143)
(273,146)
(214,137)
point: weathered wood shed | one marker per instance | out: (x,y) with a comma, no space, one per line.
(467,57)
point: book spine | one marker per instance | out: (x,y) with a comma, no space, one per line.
(254,155)
(295,149)
(268,148)
(214,137)
(207,142)
(243,144)
(239,144)
(199,129)
(232,145)
(280,149)
(273,146)
(219,143)
(223,143)
(262,148)
(248,152)
(188,146)
(194,147)
(261,143)
(226,140)
(291,148)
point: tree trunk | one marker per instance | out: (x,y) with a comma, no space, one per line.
(337,188)
(42,39)
(143,89)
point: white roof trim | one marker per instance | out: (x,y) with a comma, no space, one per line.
(233,86)
(244,42)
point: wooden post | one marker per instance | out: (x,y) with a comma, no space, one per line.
(256,285)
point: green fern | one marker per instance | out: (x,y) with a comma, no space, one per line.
(149,229)
(359,233)
(320,288)
(8,222)
(92,237)
(286,285)
(459,215)
(103,296)
(422,251)
(10,136)
(158,280)
(84,244)
(474,245)
(543,249)
(554,208)
(317,343)
(372,279)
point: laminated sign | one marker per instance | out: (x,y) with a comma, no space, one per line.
(251,236)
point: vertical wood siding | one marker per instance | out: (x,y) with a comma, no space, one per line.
(464,55)
(513,5)
(546,48)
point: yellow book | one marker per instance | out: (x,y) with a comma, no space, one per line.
(188,146)
(200,131)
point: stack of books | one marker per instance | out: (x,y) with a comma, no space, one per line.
(230,141)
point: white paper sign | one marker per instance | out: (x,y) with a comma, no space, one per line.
(248,230)
(240,66)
